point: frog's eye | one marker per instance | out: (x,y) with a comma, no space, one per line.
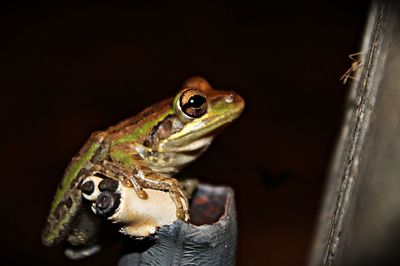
(193,103)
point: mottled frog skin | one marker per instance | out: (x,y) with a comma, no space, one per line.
(145,151)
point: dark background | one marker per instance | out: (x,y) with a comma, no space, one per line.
(70,68)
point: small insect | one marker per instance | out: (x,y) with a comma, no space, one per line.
(354,66)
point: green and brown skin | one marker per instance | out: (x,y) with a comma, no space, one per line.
(146,150)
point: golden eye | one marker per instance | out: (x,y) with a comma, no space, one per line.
(193,103)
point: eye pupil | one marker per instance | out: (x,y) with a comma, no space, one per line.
(196,101)
(193,103)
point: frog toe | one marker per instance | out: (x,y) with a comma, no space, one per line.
(103,193)
(181,214)
(108,184)
(107,203)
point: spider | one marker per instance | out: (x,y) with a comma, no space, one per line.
(354,66)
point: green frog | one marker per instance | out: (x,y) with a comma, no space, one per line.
(145,151)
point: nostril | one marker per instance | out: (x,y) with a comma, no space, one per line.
(229,98)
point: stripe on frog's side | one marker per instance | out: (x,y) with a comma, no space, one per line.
(100,153)
(67,200)
(127,131)
(71,174)
(134,120)
(58,225)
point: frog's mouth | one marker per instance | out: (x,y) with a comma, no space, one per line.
(199,144)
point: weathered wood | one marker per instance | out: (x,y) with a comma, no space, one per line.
(359,222)
(211,243)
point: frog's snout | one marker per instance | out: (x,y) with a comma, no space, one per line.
(235,100)
(229,98)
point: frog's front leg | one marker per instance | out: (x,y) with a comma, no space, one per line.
(149,179)
(118,172)
(140,178)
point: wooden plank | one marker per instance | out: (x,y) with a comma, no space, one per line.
(359,223)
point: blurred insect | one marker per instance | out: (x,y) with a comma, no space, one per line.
(353,68)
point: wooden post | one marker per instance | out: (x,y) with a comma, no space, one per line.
(359,222)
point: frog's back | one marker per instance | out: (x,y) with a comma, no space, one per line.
(127,127)
(67,201)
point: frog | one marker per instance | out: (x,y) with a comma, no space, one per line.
(145,151)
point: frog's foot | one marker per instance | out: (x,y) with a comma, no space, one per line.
(120,173)
(154,181)
(177,196)
(139,179)
(133,216)
(103,193)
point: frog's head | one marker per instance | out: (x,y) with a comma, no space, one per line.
(198,112)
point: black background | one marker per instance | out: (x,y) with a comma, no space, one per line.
(70,68)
